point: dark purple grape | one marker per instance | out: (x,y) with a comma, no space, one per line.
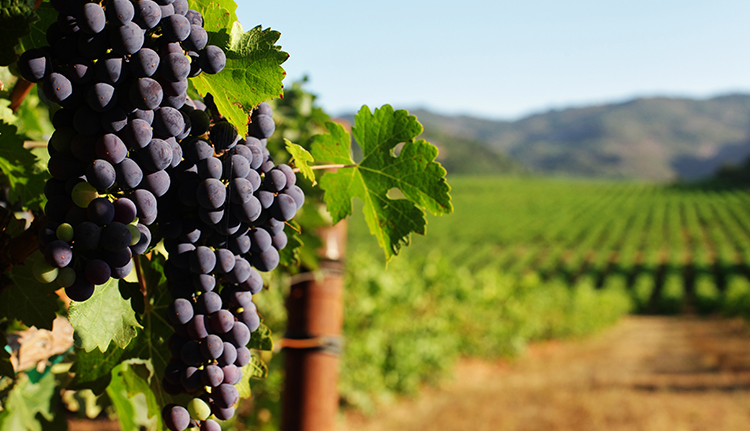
(279,241)
(156,156)
(191,378)
(180,7)
(101,174)
(129,174)
(110,70)
(144,63)
(197,39)
(275,180)
(101,97)
(147,14)
(144,242)
(200,121)
(267,260)
(181,253)
(80,290)
(263,109)
(240,334)
(284,207)
(196,150)
(127,39)
(241,190)
(80,71)
(175,417)
(210,425)
(249,211)
(204,282)
(266,198)
(146,115)
(175,28)
(100,211)
(137,134)
(175,67)
(120,272)
(211,193)
(146,93)
(237,298)
(225,396)
(176,152)
(212,376)
(86,236)
(229,356)
(210,168)
(222,321)
(180,311)
(93,46)
(236,167)
(114,120)
(167,10)
(125,211)
(241,271)
(297,194)
(232,374)
(194,17)
(63,166)
(58,254)
(209,303)
(224,136)
(120,12)
(260,240)
(173,371)
(97,272)
(243,356)
(145,202)
(254,178)
(212,346)
(91,18)
(197,327)
(239,244)
(212,59)
(203,260)
(250,318)
(224,261)
(111,148)
(115,237)
(191,353)
(262,126)
(35,65)
(118,259)
(168,122)
(57,88)
(83,148)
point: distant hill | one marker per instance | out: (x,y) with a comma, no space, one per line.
(647,138)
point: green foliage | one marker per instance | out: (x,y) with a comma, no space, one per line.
(16,162)
(413,171)
(253,72)
(27,300)
(16,17)
(93,369)
(130,391)
(6,368)
(37,36)
(104,318)
(301,159)
(28,403)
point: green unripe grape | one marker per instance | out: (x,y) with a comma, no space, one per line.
(135,234)
(83,193)
(43,272)
(65,232)
(198,409)
(66,277)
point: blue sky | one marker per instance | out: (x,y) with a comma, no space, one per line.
(505,59)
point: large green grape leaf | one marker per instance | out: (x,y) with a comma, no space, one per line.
(93,370)
(27,300)
(104,318)
(25,175)
(16,17)
(413,171)
(253,72)
(26,401)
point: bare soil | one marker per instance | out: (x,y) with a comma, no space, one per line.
(646,373)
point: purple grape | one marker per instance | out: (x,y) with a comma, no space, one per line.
(97,272)
(175,417)
(212,347)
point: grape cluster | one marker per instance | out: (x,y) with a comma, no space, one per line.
(134,161)
(119,71)
(221,225)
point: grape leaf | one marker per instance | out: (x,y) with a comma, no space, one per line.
(291,254)
(261,339)
(26,401)
(255,368)
(37,37)
(27,300)
(93,370)
(16,17)
(253,71)
(131,394)
(16,162)
(302,160)
(413,171)
(105,317)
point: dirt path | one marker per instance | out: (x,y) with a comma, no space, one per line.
(647,373)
